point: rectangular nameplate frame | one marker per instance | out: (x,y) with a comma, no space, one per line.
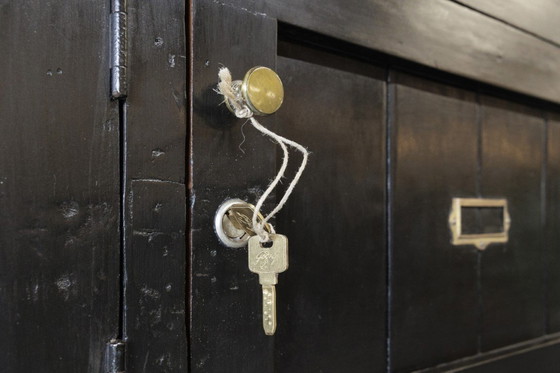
(481,240)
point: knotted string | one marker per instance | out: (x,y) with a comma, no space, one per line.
(227,88)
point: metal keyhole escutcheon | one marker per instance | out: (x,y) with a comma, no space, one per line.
(233,223)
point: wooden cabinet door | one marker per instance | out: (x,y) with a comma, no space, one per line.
(434,287)
(59,188)
(332,300)
(92,189)
(374,282)
(512,276)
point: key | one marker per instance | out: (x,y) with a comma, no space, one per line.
(267,262)
(241,215)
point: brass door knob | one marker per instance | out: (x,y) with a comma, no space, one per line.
(261,90)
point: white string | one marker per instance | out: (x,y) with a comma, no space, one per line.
(226,87)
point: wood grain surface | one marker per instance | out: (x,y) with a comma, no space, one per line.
(538,17)
(154,193)
(552,233)
(331,302)
(437,33)
(59,188)
(512,274)
(227,162)
(434,301)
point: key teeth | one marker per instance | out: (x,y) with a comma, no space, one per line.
(269,309)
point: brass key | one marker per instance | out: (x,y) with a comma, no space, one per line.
(267,262)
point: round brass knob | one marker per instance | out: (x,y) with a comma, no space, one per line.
(262,90)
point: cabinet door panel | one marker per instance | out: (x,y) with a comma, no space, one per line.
(226,332)
(434,305)
(552,236)
(59,187)
(512,274)
(331,302)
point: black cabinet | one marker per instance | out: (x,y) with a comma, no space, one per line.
(107,204)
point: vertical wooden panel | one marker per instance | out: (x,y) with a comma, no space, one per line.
(552,236)
(512,274)
(226,324)
(155,314)
(154,188)
(331,302)
(59,188)
(434,289)
(156,115)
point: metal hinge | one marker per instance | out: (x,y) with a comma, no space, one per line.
(119,48)
(115,357)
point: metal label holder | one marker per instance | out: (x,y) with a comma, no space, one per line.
(482,240)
